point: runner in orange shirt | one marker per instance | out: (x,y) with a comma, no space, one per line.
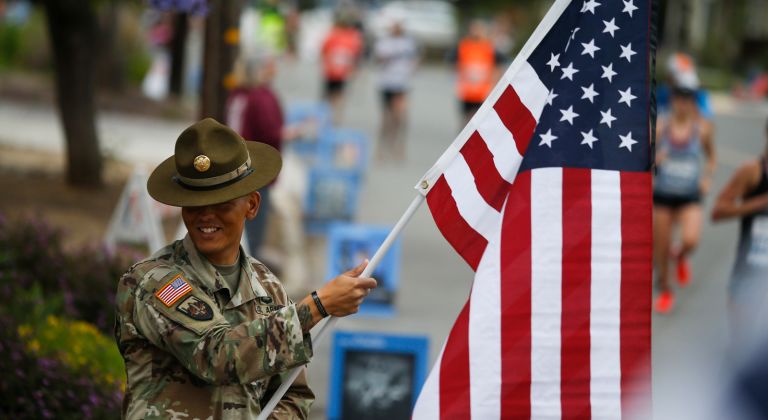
(340,55)
(477,64)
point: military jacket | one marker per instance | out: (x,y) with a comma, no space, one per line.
(195,349)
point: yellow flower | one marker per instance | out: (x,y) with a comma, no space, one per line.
(34,345)
(24,330)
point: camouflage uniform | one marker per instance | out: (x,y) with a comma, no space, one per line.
(206,355)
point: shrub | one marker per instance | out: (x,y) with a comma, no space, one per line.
(32,254)
(54,366)
(78,345)
(33,387)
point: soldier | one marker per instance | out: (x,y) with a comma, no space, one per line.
(205,330)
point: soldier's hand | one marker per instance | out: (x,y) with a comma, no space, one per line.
(343,295)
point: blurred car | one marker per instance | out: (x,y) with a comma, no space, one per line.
(432,23)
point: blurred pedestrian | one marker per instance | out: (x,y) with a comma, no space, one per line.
(684,140)
(254,111)
(397,56)
(205,330)
(746,197)
(477,62)
(340,52)
(681,71)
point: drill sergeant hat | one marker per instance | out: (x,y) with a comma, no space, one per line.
(212,164)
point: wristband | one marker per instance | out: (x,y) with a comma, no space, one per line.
(320,307)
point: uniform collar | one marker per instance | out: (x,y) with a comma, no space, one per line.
(248,288)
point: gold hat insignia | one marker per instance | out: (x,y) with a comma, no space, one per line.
(202,163)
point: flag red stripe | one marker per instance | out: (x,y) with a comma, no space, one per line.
(516,117)
(465,240)
(454,370)
(491,186)
(576,287)
(636,249)
(516,301)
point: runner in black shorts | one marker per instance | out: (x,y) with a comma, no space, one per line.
(684,141)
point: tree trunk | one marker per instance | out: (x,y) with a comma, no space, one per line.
(73,30)
(221,46)
(178,48)
(110,58)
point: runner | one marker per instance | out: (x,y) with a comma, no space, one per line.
(684,138)
(396,56)
(746,197)
(341,52)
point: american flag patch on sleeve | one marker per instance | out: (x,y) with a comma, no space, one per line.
(173,291)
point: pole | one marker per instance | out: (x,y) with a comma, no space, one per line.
(331,322)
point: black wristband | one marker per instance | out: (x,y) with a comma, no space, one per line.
(320,307)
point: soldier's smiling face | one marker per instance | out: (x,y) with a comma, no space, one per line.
(216,229)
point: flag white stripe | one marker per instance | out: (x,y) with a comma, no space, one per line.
(171,291)
(605,315)
(546,291)
(428,404)
(502,145)
(530,89)
(472,207)
(485,335)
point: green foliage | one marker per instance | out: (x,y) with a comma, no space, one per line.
(137,65)
(56,366)
(78,345)
(34,387)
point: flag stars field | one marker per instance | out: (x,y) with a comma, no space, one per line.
(627,141)
(608,73)
(568,115)
(610,27)
(629,7)
(547,138)
(589,93)
(551,96)
(626,52)
(627,96)
(568,72)
(554,62)
(589,6)
(590,48)
(607,118)
(588,138)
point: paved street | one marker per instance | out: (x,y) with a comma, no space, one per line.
(689,345)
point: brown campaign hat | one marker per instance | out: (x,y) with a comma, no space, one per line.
(212,164)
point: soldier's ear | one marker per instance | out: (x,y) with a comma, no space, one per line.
(254,202)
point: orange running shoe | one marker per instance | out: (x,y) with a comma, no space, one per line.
(683,272)
(664,303)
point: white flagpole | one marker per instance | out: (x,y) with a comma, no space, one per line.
(331,321)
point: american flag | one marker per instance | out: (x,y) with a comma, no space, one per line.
(547,195)
(173,291)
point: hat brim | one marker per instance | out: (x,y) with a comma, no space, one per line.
(266,164)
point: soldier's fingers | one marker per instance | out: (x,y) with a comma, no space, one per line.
(357,270)
(367,282)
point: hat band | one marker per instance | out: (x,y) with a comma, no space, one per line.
(215,181)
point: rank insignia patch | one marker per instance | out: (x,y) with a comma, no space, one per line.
(195,309)
(173,290)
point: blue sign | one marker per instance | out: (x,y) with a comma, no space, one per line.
(376,376)
(344,148)
(310,120)
(348,245)
(331,197)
